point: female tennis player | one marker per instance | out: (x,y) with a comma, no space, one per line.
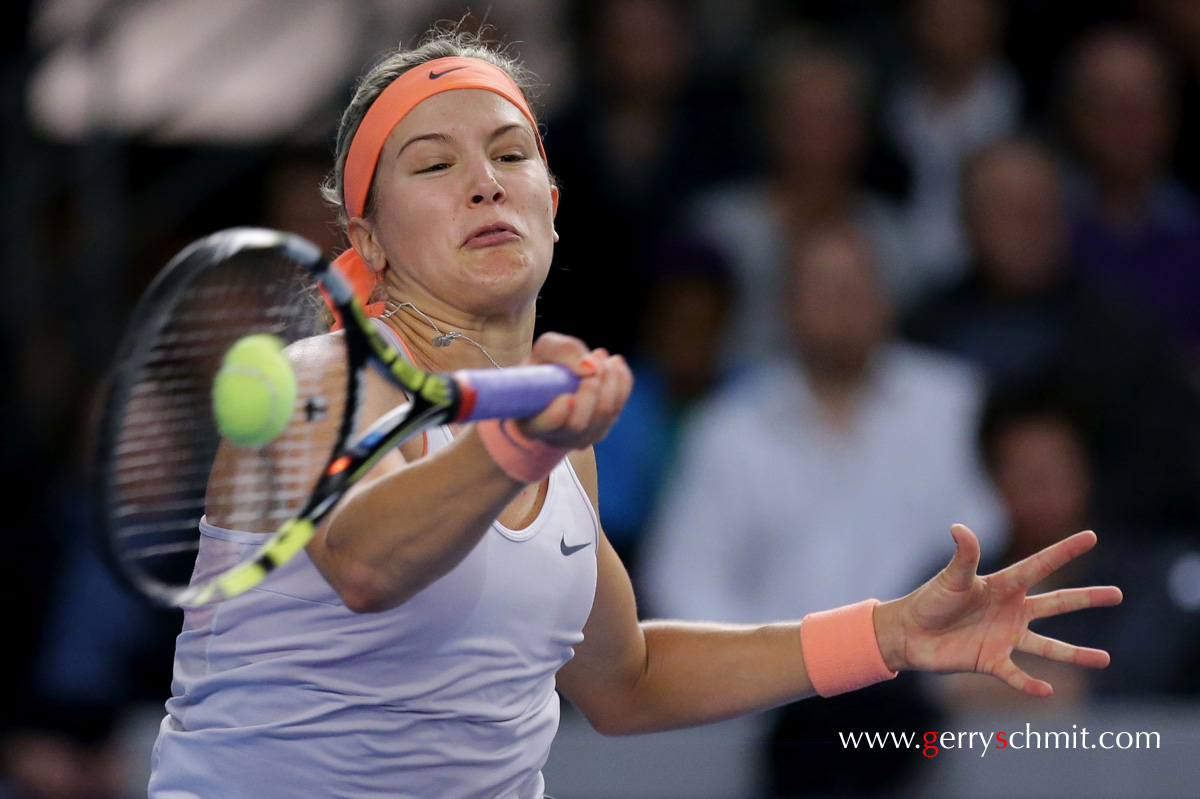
(415,648)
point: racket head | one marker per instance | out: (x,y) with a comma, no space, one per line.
(158,443)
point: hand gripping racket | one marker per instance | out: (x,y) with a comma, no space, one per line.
(160,463)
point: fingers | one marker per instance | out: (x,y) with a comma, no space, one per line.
(1053,649)
(556,348)
(1021,681)
(581,419)
(616,387)
(555,416)
(1038,566)
(1066,600)
(959,575)
(583,407)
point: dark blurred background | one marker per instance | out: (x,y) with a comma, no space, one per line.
(879,265)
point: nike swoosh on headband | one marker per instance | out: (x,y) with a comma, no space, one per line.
(566,550)
(435,75)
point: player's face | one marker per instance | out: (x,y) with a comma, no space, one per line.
(464,204)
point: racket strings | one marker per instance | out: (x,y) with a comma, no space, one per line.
(169,464)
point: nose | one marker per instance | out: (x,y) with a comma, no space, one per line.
(487,188)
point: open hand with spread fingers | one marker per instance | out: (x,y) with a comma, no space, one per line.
(960,621)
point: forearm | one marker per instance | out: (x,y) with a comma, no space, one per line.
(703,673)
(391,538)
(700,673)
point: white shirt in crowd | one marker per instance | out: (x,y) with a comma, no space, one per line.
(771,514)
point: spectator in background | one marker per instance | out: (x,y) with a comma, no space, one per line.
(812,111)
(100,652)
(1038,32)
(646,128)
(851,444)
(959,95)
(822,444)
(1022,314)
(1178,26)
(1038,445)
(676,364)
(834,471)
(1136,227)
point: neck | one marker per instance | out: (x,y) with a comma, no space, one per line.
(803,198)
(481,340)
(837,391)
(1123,197)
(950,83)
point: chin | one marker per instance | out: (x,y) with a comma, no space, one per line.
(504,287)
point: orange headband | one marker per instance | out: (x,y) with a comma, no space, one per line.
(394,103)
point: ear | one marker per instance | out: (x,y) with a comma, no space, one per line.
(363,239)
(554,197)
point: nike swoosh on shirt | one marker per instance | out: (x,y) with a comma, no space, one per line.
(435,75)
(566,550)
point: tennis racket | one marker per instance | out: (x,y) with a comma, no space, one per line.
(160,462)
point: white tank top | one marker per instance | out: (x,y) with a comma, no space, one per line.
(283,692)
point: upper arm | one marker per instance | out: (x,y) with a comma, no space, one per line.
(611,659)
(379,396)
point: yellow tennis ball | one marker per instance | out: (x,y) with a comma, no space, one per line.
(254,391)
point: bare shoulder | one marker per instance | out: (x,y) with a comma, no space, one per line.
(295,458)
(321,370)
(317,352)
(288,465)
(320,363)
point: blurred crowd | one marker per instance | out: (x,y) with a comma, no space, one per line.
(879,266)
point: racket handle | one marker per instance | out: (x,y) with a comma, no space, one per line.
(516,393)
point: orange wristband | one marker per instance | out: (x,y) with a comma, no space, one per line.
(520,457)
(840,649)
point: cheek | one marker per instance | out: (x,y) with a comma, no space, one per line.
(416,232)
(542,199)
(540,221)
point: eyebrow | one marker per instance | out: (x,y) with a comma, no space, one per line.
(447,138)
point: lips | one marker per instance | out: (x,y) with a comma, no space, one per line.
(494,233)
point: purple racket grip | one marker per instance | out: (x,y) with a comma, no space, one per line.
(516,393)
